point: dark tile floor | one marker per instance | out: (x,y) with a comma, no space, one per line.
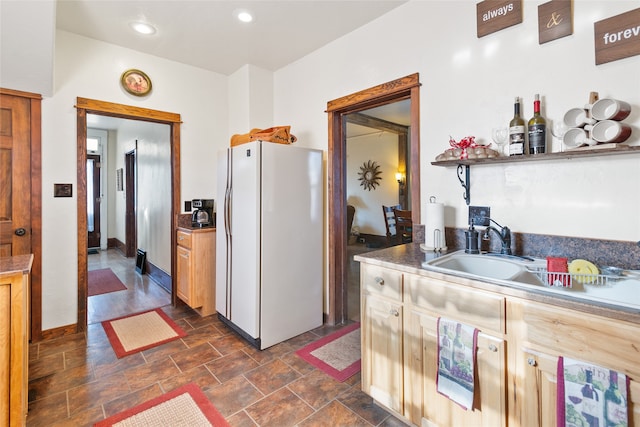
(77,380)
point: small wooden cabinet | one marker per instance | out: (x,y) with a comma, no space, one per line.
(382,333)
(14,338)
(196,265)
(426,300)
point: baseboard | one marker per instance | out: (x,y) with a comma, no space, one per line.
(61,331)
(114,243)
(158,275)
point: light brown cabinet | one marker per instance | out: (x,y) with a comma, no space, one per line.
(427,300)
(195,268)
(14,338)
(519,343)
(382,333)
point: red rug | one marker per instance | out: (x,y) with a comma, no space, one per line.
(103,281)
(337,354)
(185,406)
(137,332)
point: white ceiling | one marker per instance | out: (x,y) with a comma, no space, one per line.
(205,33)
(202,33)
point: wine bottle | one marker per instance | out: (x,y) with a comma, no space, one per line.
(516,131)
(615,408)
(537,130)
(590,402)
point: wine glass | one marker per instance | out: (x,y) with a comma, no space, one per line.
(558,129)
(500,136)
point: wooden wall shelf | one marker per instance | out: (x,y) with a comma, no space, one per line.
(595,151)
(464,175)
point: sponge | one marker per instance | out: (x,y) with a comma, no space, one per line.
(583,271)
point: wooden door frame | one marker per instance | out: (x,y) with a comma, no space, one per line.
(35,106)
(131,220)
(86,106)
(403,88)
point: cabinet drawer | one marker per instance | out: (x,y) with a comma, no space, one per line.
(479,309)
(184,239)
(381,281)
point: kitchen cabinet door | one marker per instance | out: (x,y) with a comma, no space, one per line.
(427,407)
(184,266)
(541,385)
(381,329)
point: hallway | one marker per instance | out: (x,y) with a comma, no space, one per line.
(142,293)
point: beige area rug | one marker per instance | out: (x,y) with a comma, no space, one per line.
(337,354)
(138,332)
(186,406)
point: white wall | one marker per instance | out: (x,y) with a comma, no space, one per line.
(382,148)
(468,87)
(91,69)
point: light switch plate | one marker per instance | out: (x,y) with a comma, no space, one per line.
(480,215)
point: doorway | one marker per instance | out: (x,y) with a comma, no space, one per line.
(404,88)
(86,106)
(94,200)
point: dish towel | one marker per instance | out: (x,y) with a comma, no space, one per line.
(457,344)
(590,395)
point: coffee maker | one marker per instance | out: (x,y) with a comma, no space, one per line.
(203,215)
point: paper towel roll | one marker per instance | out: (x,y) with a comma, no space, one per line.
(434,238)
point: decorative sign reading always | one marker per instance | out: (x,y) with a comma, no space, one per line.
(617,37)
(495,15)
(554,20)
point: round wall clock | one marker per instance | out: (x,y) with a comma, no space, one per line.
(136,82)
(370,175)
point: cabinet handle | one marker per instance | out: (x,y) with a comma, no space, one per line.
(531,361)
(492,347)
(379,281)
(395,312)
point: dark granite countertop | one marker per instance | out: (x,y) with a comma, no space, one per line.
(409,258)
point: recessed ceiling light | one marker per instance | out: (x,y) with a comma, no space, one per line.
(243,16)
(143,28)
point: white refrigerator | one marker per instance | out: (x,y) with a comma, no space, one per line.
(269,241)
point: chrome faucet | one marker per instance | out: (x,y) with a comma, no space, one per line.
(505,236)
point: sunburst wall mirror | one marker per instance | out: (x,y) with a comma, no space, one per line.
(370,175)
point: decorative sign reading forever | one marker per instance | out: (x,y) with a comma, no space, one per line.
(617,37)
(495,15)
(554,20)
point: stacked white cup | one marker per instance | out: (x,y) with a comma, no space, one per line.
(600,122)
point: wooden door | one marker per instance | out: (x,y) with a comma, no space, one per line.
(93,201)
(15,176)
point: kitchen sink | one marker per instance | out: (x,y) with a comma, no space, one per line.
(530,272)
(485,266)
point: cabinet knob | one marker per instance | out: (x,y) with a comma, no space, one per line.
(531,361)
(379,281)
(395,312)
(493,347)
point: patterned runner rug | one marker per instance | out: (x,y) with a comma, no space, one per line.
(138,332)
(337,354)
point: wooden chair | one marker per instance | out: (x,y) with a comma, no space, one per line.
(404,225)
(390,222)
